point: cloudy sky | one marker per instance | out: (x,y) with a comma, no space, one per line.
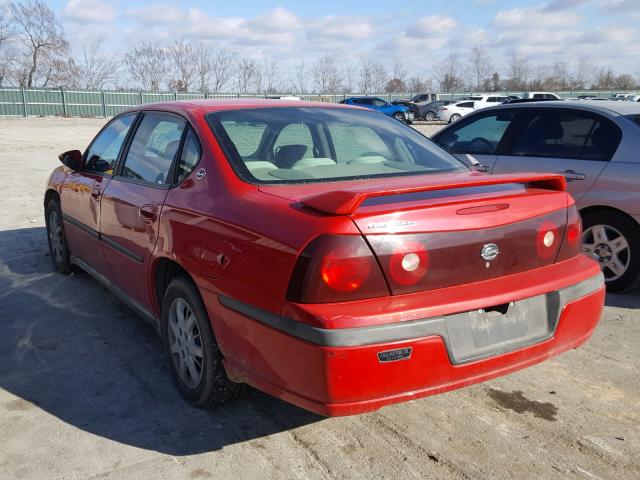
(417,32)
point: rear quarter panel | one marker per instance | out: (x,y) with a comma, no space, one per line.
(618,187)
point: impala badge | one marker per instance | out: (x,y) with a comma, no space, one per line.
(489,252)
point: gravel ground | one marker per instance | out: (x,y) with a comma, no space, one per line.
(84,392)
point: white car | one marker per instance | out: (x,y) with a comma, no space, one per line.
(541,96)
(455,111)
(488,100)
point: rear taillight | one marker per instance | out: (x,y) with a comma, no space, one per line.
(336,268)
(547,240)
(408,262)
(571,245)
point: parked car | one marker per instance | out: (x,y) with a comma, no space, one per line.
(483,101)
(398,112)
(418,98)
(325,254)
(633,98)
(455,111)
(541,96)
(594,145)
(429,111)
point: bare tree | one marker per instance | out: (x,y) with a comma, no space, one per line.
(397,82)
(448,73)
(94,69)
(246,75)
(349,71)
(373,76)
(147,65)
(624,81)
(299,82)
(560,76)
(604,79)
(223,67)
(480,66)
(325,75)
(519,72)
(581,72)
(6,52)
(415,85)
(540,79)
(271,76)
(43,41)
(183,57)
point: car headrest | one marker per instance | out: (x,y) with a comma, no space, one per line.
(549,129)
(171,149)
(287,155)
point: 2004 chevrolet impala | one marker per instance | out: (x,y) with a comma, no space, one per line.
(325,254)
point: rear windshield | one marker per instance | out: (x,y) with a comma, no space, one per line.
(307,144)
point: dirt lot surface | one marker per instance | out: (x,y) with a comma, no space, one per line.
(84,391)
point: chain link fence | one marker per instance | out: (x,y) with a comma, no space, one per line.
(77,103)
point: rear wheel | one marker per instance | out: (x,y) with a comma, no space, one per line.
(455,117)
(194,357)
(430,117)
(58,249)
(399,116)
(613,240)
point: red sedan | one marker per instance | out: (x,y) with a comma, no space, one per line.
(325,254)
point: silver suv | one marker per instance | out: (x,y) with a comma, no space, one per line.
(595,145)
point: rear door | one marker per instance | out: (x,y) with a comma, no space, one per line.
(478,136)
(575,143)
(82,190)
(132,201)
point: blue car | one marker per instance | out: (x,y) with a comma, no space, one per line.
(398,112)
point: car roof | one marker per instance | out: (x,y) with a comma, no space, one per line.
(202,106)
(621,108)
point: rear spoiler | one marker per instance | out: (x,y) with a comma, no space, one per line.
(346,202)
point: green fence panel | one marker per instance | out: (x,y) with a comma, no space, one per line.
(83,104)
(44,102)
(11,102)
(119,101)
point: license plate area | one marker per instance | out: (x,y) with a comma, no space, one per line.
(497,329)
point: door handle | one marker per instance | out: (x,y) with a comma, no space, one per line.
(95,191)
(147,212)
(571,175)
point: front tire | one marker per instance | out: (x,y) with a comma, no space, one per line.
(58,247)
(613,240)
(455,117)
(194,357)
(399,116)
(430,117)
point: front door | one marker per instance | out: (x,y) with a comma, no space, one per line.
(82,190)
(133,200)
(479,136)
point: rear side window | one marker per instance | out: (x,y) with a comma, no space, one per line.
(153,149)
(567,134)
(481,136)
(190,155)
(466,104)
(102,154)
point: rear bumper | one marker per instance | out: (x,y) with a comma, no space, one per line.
(338,371)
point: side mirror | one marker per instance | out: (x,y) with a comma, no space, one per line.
(71,159)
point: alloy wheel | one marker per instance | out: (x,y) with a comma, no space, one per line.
(185,343)
(56,236)
(609,248)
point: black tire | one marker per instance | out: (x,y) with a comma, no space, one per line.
(630,230)
(455,117)
(58,246)
(214,387)
(399,116)
(430,117)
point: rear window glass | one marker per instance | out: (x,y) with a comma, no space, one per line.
(302,144)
